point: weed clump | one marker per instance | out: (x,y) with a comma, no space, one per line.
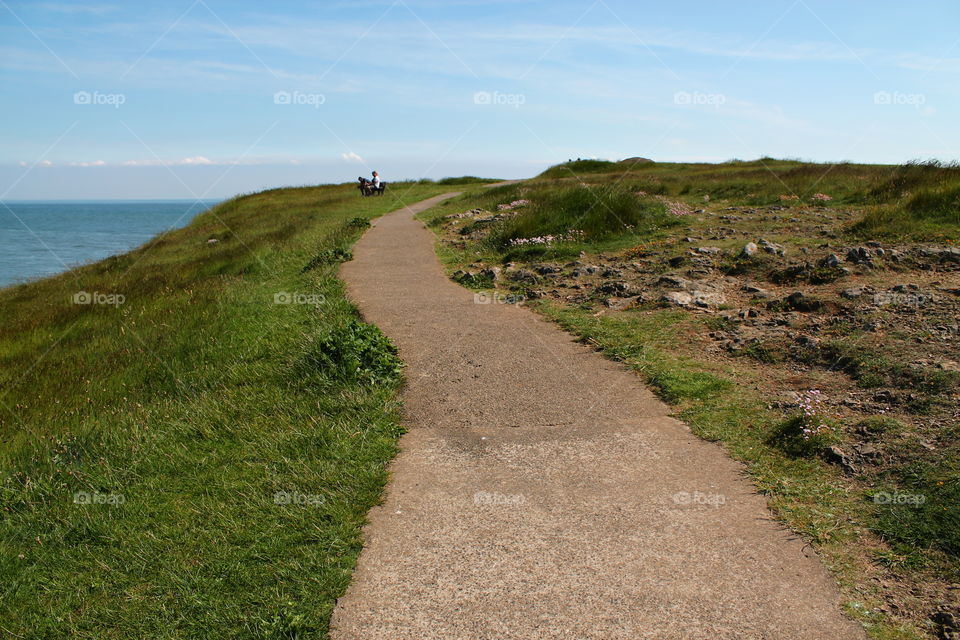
(355,352)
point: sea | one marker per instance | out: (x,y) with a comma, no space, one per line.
(43,238)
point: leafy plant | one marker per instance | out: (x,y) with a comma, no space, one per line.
(356,352)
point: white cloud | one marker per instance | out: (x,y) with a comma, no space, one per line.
(93,163)
(351,157)
(196,160)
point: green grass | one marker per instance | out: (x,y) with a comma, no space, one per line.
(600,213)
(186,417)
(916,200)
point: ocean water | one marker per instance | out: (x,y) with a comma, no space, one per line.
(44,238)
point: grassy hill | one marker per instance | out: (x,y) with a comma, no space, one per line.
(803,315)
(193,432)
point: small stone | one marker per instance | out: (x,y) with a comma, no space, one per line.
(772,247)
(749,250)
(619,304)
(673,281)
(836,455)
(832,260)
(679,298)
(523,275)
(708,298)
(710,251)
(859,255)
(493,273)
(619,289)
(800,302)
(757,292)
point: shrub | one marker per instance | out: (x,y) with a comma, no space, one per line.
(599,212)
(355,352)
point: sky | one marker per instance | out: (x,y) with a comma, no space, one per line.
(210,98)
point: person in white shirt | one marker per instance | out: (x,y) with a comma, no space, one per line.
(376,180)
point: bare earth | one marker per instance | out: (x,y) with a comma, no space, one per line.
(543,492)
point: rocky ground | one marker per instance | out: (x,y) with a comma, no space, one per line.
(872,327)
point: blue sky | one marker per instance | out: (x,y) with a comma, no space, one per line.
(208,98)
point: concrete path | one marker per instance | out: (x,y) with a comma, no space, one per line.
(543,492)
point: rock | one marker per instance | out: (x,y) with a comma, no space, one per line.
(612,273)
(673,281)
(676,261)
(710,251)
(546,269)
(756,291)
(772,247)
(523,275)
(807,341)
(213,241)
(800,302)
(867,451)
(619,304)
(905,288)
(859,255)
(832,260)
(836,455)
(948,622)
(852,293)
(619,289)
(679,298)
(873,243)
(707,299)
(493,273)
(749,250)
(587,270)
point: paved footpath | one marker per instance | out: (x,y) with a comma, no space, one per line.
(544,492)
